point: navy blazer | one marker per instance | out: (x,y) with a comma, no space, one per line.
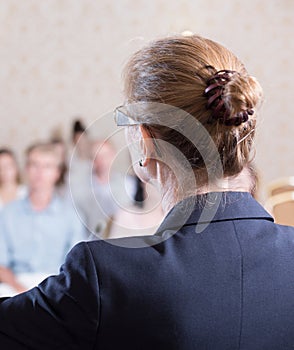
(222,281)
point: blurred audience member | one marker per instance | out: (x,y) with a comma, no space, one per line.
(10,183)
(79,161)
(60,148)
(38,230)
(107,191)
(80,140)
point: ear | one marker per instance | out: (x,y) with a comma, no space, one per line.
(147,145)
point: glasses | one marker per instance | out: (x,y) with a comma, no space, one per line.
(122,119)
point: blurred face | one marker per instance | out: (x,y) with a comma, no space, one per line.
(42,170)
(8,169)
(103,158)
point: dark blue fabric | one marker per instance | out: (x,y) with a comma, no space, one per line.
(231,286)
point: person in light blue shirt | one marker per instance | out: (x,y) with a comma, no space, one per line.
(37,232)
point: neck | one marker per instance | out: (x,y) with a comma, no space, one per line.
(102,178)
(172,192)
(40,199)
(8,191)
(10,185)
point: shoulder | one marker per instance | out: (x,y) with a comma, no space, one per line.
(79,264)
(284,235)
(125,254)
(271,244)
(79,256)
(15,207)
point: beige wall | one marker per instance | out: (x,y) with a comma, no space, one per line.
(62,58)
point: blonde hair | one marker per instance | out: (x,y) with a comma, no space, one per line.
(175,71)
(50,148)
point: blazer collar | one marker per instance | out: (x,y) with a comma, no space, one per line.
(199,211)
(212,207)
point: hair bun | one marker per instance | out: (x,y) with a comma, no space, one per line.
(231,97)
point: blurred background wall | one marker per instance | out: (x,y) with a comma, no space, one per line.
(60,59)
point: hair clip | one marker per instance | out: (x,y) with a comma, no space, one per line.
(214,94)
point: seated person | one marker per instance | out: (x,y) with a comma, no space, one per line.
(78,176)
(37,231)
(61,149)
(10,183)
(106,191)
